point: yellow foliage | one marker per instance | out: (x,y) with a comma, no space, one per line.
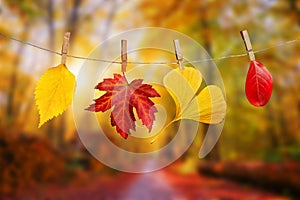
(183,91)
(208,106)
(212,105)
(54,92)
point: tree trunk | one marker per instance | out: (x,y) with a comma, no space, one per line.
(295,8)
(72,23)
(206,34)
(10,109)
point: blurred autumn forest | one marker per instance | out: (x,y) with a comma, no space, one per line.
(53,153)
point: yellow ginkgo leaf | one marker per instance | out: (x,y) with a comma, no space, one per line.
(54,92)
(212,105)
(208,106)
(182,86)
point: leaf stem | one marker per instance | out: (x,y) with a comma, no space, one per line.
(159,134)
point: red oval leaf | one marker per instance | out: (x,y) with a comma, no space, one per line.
(259,84)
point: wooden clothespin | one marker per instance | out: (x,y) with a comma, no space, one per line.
(65,46)
(124,55)
(178,53)
(248,45)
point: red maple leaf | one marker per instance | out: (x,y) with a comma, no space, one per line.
(123,97)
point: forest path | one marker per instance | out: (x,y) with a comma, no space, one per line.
(164,184)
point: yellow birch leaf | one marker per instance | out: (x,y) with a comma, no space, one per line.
(208,106)
(54,92)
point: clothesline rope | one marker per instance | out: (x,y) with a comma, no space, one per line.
(154,63)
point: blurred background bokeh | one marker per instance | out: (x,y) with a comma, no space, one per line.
(257,155)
